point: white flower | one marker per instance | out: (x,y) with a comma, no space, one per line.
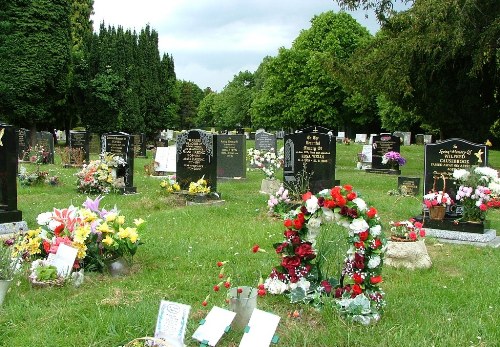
(376,230)
(461,174)
(312,204)
(302,283)
(495,187)
(488,173)
(275,286)
(374,262)
(360,203)
(314,222)
(53,224)
(358,225)
(327,214)
(44,218)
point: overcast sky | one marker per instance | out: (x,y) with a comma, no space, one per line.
(213,40)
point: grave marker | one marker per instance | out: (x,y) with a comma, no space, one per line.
(172,322)
(46,140)
(121,144)
(381,145)
(264,142)
(24,144)
(360,138)
(165,159)
(231,152)
(9,142)
(140,145)
(409,185)
(80,139)
(196,158)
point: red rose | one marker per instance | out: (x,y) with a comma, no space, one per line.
(422,233)
(301,217)
(227,284)
(483,207)
(239,290)
(290,233)
(46,246)
(418,225)
(351,196)
(372,212)
(347,187)
(219,263)
(261,292)
(357,278)
(376,279)
(295,240)
(363,235)
(280,248)
(341,201)
(305,250)
(306,196)
(360,244)
(216,288)
(329,204)
(297,224)
(356,290)
(59,229)
(376,244)
(204,303)
(290,262)
(412,235)
(255,248)
(288,223)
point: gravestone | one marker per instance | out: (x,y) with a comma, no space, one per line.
(23,144)
(95,143)
(165,158)
(8,175)
(312,150)
(231,152)
(366,156)
(81,140)
(360,138)
(121,144)
(381,145)
(340,136)
(409,185)
(419,139)
(399,134)
(170,134)
(441,159)
(280,134)
(45,139)
(140,145)
(196,158)
(427,139)
(370,141)
(264,142)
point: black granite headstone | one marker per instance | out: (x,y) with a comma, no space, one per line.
(140,145)
(264,142)
(409,185)
(196,158)
(122,144)
(311,151)
(9,142)
(24,144)
(231,151)
(381,145)
(45,139)
(81,140)
(442,158)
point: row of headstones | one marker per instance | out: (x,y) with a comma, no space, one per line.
(405,138)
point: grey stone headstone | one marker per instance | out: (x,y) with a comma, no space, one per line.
(264,142)
(231,156)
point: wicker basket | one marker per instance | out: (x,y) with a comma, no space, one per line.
(437,212)
(59,282)
(149,341)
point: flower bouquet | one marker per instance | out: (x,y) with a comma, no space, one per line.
(8,259)
(269,162)
(437,199)
(100,176)
(474,192)
(170,185)
(279,203)
(199,187)
(35,154)
(408,230)
(393,159)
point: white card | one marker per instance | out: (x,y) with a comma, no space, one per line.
(262,326)
(161,158)
(216,322)
(64,259)
(171,322)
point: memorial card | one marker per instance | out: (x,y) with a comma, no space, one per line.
(171,322)
(260,330)
(213,327)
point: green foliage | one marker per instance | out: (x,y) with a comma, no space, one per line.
(190,96)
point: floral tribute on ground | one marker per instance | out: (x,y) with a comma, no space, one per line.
(356,292)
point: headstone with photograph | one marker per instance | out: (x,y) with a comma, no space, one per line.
(122,145)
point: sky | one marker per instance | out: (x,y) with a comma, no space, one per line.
(211,41)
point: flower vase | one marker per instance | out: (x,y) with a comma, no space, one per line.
(437,212)
(243,304)
(270,186)
(118,267)
(4,287)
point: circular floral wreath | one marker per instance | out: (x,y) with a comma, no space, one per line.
(357,293)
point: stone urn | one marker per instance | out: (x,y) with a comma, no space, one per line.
(410,254)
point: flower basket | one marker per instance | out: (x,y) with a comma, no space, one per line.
(59,282)
(437,212)
(148,341)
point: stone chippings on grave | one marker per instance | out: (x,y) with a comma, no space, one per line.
(231,156)
(314,152)
(80,139)
(264,141)
(9,142)
(122,144)
(196,158)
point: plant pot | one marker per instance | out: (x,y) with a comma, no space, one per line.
(437,212)
(4,287)
(118,267)
(243,304)
(270,186)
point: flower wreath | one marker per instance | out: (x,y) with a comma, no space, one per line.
(357,293)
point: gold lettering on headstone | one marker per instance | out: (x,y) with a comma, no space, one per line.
(313,151)
(194,155)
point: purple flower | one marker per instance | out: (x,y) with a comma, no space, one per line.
(92,205)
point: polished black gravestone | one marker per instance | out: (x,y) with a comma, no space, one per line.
(409,185)
(81,140)
(140,145)
(196,158)
(231,152)
(23,136)
(122,144)
(381,145)
(264,142)
(313,151)
(8,174)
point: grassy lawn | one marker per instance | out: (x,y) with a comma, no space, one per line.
(454,303)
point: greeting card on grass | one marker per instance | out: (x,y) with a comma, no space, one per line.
(171,322)
(260,330)
(64,259)
(213,327)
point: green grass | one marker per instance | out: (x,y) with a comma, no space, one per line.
(455,303)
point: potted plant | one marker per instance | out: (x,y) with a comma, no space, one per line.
(437,203)
(8,263)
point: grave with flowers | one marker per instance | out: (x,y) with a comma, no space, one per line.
(386,156)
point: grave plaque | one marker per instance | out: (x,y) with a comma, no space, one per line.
(196,158)
(264,142)
(231,151)
(46,140)
(360,138)
(140,145)
(9,142)
(122,144)
(24,144)
(81,140)
(441,159)
(381,145)
(427,139)
(313,151)
(409,185)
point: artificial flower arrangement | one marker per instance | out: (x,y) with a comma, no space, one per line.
(36,154)
(439,198)
(8,259)
(357,294)
(393,158)
(37,177)
(170,185)
(269,162)
(99,235)
(199,187)
(474,191)
(280,202)
(100,176)
(407,230)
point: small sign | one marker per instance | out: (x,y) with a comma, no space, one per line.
(261,328)
(214,326)
(409,185)
(64,259)
(171,322)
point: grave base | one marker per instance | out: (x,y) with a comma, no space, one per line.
(10,216)
(452,225)
(128,190)
(7,229)
(384,171)
(489,237)
(206,203)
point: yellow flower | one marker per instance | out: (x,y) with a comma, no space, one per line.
(163,184)
(120,220)
(81,233)
(82,249)
(138,222)
(88,215)
(123,233)
(33,246)
(35,232)
(110,217)
(104,228)
(176,187)
(110,179)
(108,240)
(132,235)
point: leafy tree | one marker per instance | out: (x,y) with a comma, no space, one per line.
(234,102)
(207,110)
(190,96)
(382,8)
